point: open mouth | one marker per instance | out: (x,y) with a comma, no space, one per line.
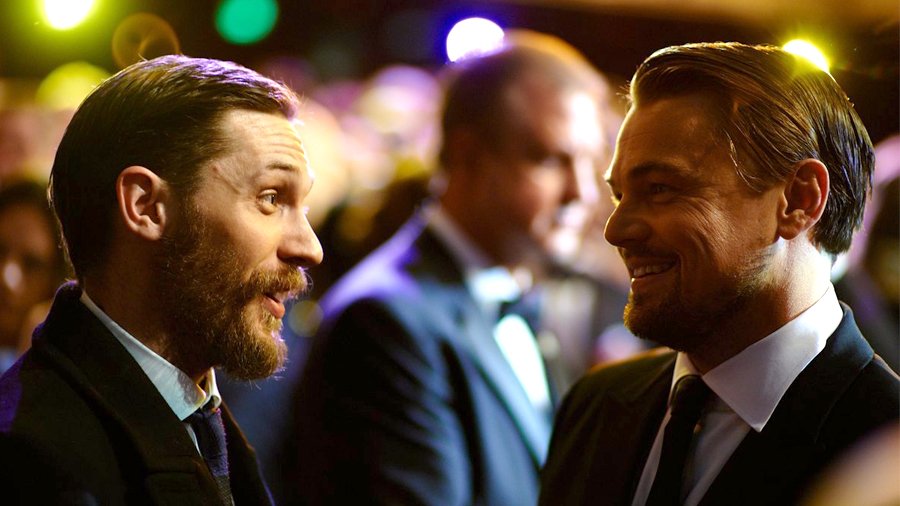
(643,271)
(274,303)
(647,274)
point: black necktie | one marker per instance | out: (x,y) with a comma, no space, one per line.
(687,402)
(210,432)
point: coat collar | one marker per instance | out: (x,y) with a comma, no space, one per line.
(793,433)
(477,337)
(631,415)
(95,364)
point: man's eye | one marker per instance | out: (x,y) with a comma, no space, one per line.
(269,198)
(552,162)
(658,188)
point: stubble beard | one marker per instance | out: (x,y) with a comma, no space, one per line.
(688,325)
(213,317)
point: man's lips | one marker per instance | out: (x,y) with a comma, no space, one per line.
(275,300)
(641,271)
(274,303)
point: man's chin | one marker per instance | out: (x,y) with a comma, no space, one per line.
(646,322)
(259,361)
(258,353)
(564,246)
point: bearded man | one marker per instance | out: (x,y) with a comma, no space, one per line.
(740,172)
(180,187)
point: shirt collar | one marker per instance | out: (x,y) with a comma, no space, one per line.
(490,285)
(753,382)
(178,390)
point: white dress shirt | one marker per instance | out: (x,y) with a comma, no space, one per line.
(747,388)
(491,286)
(178,390)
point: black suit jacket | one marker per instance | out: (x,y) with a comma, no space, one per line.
(80,423)
(406,398)
(607,423)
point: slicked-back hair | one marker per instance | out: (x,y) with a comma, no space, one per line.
(163,114)
(777,109)
(476,87)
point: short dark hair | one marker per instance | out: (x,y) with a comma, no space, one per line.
(475,87)
(163,114)
(778,109)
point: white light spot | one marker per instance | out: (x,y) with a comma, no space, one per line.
(472,37)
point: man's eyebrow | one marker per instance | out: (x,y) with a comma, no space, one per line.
(281,166)
(650,168)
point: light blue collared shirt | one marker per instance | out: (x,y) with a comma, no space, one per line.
(178,390)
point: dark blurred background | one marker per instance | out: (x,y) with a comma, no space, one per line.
(340,39)
(368,72)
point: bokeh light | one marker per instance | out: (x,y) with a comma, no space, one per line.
(473,36)
(68,85)
(806,49)
(65,14)
(245,22)
(143,36)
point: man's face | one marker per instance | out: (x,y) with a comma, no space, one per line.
(238,249)
(539,182)
(27,263)
(696,240)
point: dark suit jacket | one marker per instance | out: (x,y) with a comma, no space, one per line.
(406,398)
(80,423)
(607,423)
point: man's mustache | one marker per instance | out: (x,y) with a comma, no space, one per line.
(293,281)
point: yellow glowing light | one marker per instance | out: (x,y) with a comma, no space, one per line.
(65,14)
(806,50)
(65,87)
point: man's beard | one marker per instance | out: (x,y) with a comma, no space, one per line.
(686,325)
(214,317)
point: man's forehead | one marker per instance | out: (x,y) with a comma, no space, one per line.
(679,132)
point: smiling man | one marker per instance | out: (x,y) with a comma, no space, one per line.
(180,187)
(739,173)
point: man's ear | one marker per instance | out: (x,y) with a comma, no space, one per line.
(463,148)
(142,198)
(804,198)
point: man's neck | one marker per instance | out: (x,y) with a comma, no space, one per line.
(121,299)
(792,289)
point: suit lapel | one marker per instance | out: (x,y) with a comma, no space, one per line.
(146,432)
(629,420)
(477,336)
(766,464)
(247,485)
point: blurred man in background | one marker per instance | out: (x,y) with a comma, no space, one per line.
(180,187)
(424,385)
(739,174)
(31,263)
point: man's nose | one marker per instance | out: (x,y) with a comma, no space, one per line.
(626,225)
(11,274)
(300,246)
(582,184)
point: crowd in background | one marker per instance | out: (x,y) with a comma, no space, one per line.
(372,146)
